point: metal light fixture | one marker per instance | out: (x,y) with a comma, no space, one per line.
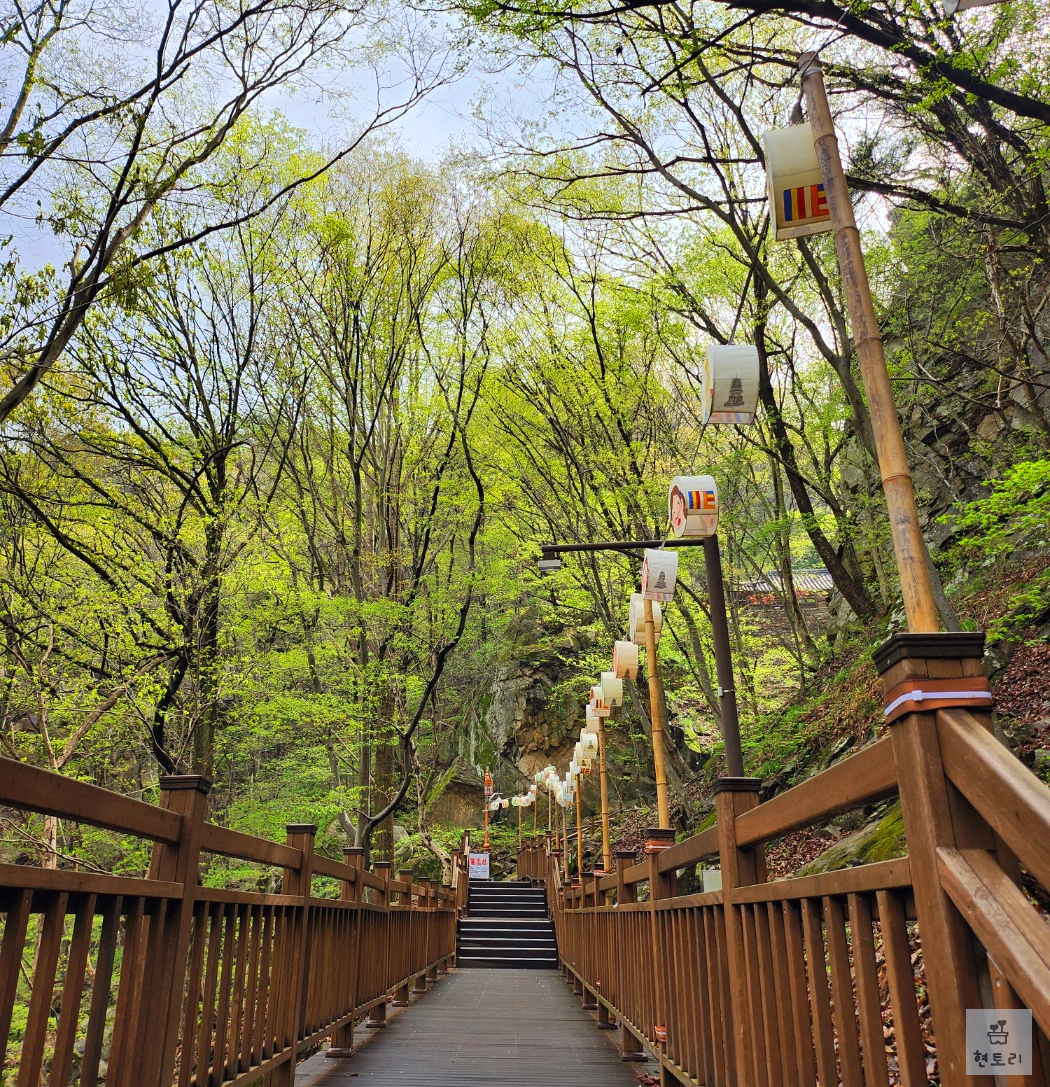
(549,564)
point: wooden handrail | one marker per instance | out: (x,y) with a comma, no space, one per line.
(690,851)
(325,866)
(31,789)
(1015,935)
(855,782)
(1006,793)
(233,843)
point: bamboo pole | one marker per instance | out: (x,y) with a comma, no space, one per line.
(603,775)
(519,827)
(908,546)
(656,715)
(579,827)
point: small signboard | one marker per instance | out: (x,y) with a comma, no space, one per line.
(479,866)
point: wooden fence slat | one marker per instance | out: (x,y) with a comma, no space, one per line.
(911,1054)
(799,997)
(11,963)
(845,1017)
(49,948)
(112,910)
(819,996)
(783,995)
(72,992)
(876,1074)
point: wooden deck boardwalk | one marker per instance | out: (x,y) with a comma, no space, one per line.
(484,1028)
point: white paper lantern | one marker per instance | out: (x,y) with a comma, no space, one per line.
(590,726)
(729,392)
(598,703)
(574,767)
(692,506)
(612,689)
(659,576)
(504,803)
(625,660)
(797,204)
(577,753)
(637,619)
(589,745)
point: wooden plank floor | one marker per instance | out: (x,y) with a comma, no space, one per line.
(484,1027)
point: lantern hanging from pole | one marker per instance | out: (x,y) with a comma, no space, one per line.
(612,689)
(729,391)
(590,716)
(625,660)
(590,727)
(659,576)
(798,205)
(692,506)
(637,619)
(598,703)
(589,745)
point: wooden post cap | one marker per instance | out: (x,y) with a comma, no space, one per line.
(625,854)
(955,644)
(170,782)
(301,828)
(657,839)
(382,864)
(353,851)
(737,785)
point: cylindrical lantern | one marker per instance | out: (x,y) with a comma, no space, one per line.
(625,660)
(589,715)
(589,744)
(692,506)
(591,726)
(659,575)
(577,753)
(637,619)
(798,205)
(730,384)
(612,689)
(504,803)
(598,702)
(574,767)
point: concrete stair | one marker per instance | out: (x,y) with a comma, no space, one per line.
(506,925)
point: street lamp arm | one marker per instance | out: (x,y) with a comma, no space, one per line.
(617,545)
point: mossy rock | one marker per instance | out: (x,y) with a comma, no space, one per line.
(879,841)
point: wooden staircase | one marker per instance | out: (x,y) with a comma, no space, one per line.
(506,925)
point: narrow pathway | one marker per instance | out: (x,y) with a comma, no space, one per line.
(484,1027)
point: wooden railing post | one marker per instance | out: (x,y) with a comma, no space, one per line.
(937,816)
(296,883)
(661,886)
(383,870)
(343,1038)
(740,868)
(622,860)
(186,794)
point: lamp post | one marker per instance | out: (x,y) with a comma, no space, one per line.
(720,637)
(488,800)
